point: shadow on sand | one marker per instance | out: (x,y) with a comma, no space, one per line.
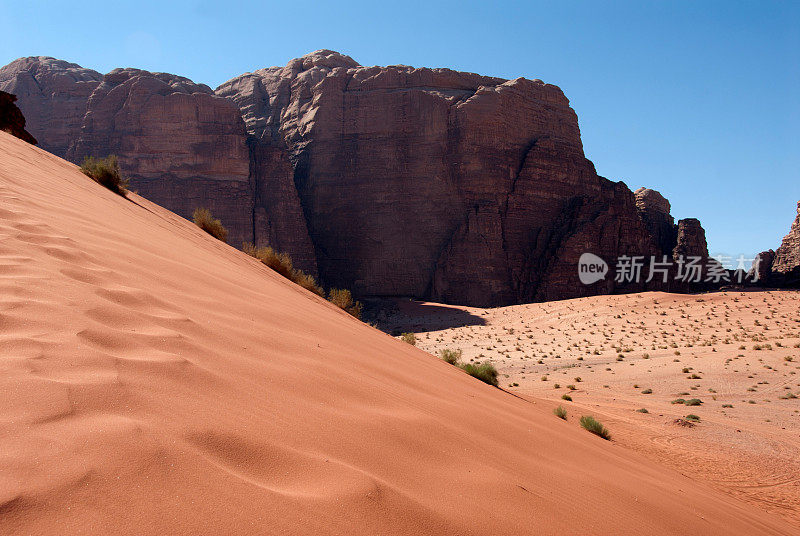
(403,315)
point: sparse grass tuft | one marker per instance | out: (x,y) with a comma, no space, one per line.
(560,412)
(105,171)
(594,426)
(202,218)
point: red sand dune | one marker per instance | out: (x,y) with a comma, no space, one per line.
(157,381)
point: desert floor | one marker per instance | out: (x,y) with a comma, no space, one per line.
(627,359)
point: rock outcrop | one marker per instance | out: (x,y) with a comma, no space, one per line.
(439,184)
(179,144)
(391,181)
(655,211)
(11,119)
(52,96)
(781,267)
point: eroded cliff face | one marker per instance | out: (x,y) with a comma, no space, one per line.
(11,118)
(392,181)
(179,144)
(787,256)
(782,266)
(52,95)
(440,184)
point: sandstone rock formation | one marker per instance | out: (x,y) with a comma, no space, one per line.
(782,267)
(392,181)
(11,119)
(439,184)
(787,256)
(52,96)
(655,211)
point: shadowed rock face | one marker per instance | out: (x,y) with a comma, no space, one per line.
(392,181)
(11,119)
(655,211)
(787,256)
(782,266)
(439,184)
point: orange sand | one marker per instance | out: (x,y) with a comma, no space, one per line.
(157,381)
(737,349)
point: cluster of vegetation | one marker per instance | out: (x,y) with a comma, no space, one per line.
(105,171)
(594,426)
(202,218)
(485,371)
(282,264)
(409,338)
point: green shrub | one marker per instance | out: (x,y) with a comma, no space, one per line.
(566,397)
(594,426)
(642,410)
(450,356)
(560,412)
(202,218)
(105,171)
(693,402)
(485,372)
(410,338)
(692,417)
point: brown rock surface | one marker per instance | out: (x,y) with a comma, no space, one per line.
(781,268)
(179,144)
(11,119)
(787,256)
(655,211)
(440,184)
(52,96)
(393,181)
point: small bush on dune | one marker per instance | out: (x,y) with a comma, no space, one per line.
(560,412)
(202,218)
(409,338)
(485,372)
(307,281)
(282,263)
(343,299)
(594,426)
(279,262)
(105,171)
(450,356)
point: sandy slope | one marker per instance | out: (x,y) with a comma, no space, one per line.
(156,381)
(736,352)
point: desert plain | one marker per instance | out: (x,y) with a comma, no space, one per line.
(706,384)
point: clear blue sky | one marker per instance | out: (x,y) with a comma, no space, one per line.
(697,99)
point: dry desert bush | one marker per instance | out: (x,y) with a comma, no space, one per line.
(105,171)
(202,218)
